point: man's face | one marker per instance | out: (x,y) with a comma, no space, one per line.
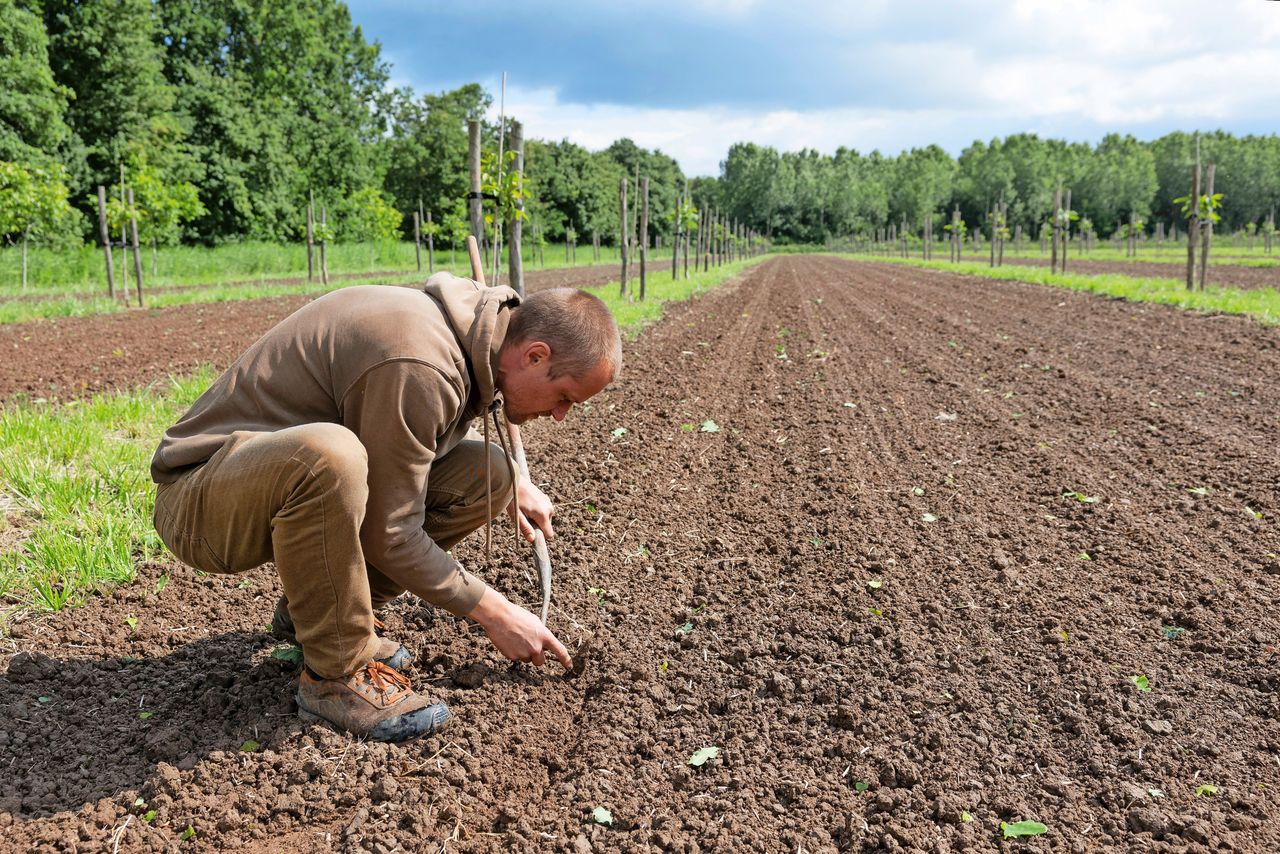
(528,392)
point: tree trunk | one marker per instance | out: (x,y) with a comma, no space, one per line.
(1193,222)
(1054,229)
(1066,230)
(1206,235)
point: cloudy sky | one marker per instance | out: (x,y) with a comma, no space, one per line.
(691,77)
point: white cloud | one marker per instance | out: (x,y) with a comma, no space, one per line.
(699,139)
(899,75)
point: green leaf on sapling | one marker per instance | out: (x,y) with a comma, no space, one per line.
(1022,828)
(700,757)
(709,426)
(600,815)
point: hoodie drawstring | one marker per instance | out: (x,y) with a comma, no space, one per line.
(488,479)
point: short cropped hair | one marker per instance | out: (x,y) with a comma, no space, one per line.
(576,325)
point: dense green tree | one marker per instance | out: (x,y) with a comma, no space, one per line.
(570,185)
(1117,180)
(753,190)
(426,151)
(284,98)
(33,107)
(666,181)
(107,53)
(922,182)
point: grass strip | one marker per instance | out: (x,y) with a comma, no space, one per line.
(77,481)
(76,495)
(81,269)
(633,316)
(25,310)
(1261,304)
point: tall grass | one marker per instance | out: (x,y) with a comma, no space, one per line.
(77,477)
(82,270)
(77,480)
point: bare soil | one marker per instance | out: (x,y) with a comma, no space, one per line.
(905,582)
(78,356)
(1223,275)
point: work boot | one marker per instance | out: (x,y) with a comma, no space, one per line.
(375,702)
(389,652)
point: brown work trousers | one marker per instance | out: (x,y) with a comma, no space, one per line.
(297,496)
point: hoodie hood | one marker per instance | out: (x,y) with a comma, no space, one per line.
(478,316)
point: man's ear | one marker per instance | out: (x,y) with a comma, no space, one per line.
(536,352)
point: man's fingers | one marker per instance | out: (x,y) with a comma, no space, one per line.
(538,658)
(526,528)
(557,649)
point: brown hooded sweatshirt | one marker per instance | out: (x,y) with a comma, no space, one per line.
(406,371)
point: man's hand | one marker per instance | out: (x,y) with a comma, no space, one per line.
(516,633)
(535,507)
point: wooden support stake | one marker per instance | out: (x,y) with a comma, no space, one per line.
(622,231)
(106,240)
(1193,221)
(431,246)
(311,235)
(474,209)
(324,246)
(137,250)
(644,234)
(515,230)
(417,240)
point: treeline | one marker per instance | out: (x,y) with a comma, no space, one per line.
(226,116)
(807,197)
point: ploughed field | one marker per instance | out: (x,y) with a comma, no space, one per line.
(918,553)
(73,357)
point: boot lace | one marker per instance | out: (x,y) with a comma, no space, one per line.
(387,680)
